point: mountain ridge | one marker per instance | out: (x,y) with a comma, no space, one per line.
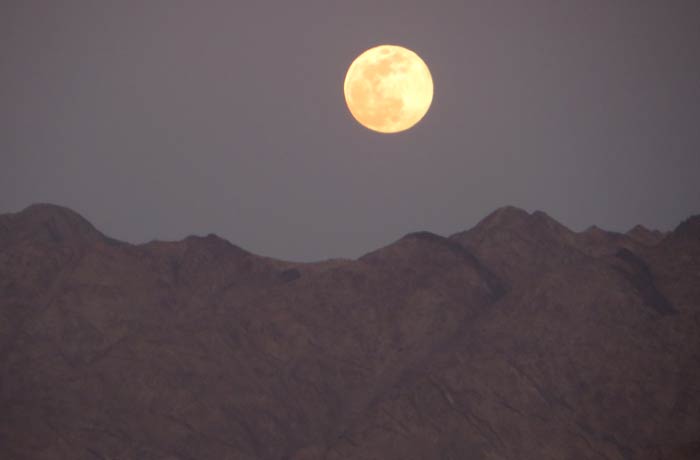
(49,215)
(518,338)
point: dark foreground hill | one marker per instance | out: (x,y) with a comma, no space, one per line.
(518,339)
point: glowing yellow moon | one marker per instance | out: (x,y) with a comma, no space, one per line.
(388,88)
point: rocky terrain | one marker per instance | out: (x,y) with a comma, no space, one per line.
(517,339)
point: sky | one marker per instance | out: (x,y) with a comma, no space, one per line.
(161,119)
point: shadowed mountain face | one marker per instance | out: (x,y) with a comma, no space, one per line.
(517,339)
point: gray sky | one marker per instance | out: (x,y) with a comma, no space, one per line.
(159,119)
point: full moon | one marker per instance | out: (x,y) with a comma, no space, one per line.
(388,88)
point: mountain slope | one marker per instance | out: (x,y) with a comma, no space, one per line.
(516,339)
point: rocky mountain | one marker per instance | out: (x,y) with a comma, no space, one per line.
(517,339)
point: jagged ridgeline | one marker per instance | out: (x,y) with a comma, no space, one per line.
(516,339)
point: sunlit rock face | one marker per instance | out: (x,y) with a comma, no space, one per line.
(516,339)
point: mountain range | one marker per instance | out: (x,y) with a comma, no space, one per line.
(517,339)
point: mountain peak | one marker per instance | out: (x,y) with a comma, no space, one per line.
(48,210)
(594,230)
(49,223)
(213,243)
(414,243)
(509,236)
(504,216)
(645,236)
(689,227)
(513,220)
